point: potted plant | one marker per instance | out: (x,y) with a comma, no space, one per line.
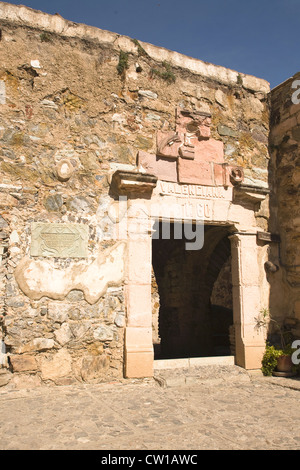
(284,360)
(277,359)
(269,360)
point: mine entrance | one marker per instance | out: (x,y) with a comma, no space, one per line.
(192,295)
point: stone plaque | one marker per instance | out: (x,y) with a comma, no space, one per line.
(59,240)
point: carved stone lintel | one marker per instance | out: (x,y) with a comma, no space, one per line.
(249,194)
(124,182)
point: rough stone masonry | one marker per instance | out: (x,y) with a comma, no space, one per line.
(88,116)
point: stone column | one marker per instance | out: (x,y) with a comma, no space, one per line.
(249,341)
(139,355)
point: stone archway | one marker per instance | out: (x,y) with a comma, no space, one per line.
(187,181)
(149,200)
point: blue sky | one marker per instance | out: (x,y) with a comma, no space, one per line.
(258,37)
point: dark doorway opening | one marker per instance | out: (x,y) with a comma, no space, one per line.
(192,295)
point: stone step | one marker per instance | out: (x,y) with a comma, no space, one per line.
(193,362)
(213,374)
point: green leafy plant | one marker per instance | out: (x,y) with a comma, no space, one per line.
(166,74)
(123,62)
(269,360)
(273,352)
(239,79)
(140,49)
(45,37)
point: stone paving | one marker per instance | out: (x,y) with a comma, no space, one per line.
(229,409)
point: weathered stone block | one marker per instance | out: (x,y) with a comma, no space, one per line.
(6,200)
(225,130)
(94,367)
(23,362)
(37,344)
(104,333)
(59,365)
(53,203)
(57,312)
(64,334)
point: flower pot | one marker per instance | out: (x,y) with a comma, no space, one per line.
(284,364)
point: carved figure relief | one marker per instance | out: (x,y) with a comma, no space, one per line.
(189,154)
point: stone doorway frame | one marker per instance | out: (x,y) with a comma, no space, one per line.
(236,209)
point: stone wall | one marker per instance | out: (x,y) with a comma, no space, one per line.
(285,221)
(77,103)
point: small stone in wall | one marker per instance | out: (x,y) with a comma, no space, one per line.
(64,334)
(23,362)
(3,223)
(35,64)
(148,94)
(226,131)
(94,367)
(230,149)
(120,320)
(79,204)
(79,329)
(14,302)
(54,203)
(14,237)
(104,333)
(64,169)
(75,296)
(57,366)
(220,98)
(37,344)
(57,312)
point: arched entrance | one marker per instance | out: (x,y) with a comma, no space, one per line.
(194,294)
(228,212)
(187,183)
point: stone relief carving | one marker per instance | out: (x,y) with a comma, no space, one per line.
(190,128)
(189,154)
(59,240)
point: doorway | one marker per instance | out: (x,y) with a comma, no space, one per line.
(192,313)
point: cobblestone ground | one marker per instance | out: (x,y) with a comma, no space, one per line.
(240,412)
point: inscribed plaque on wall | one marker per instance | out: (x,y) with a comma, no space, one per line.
(59,240)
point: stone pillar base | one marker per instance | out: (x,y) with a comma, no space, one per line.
(249,356)
(139,355)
